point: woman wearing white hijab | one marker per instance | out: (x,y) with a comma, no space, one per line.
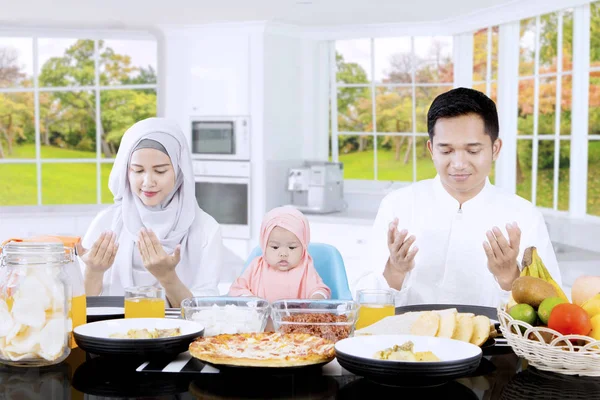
(155,233)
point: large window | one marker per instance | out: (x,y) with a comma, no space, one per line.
(485,61)
(544,110)
(64,106)
(593,185)
(485,66)
(383,89)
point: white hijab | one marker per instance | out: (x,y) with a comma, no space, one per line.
(174,220)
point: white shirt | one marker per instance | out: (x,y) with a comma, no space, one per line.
(201,279)
(451,264)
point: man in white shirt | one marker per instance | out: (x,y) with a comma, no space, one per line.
(455,239)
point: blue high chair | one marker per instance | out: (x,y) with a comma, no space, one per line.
(328,263)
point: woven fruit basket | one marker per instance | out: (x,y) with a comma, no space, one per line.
(548,350)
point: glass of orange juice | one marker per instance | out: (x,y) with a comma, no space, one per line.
(144,302)
(374,304)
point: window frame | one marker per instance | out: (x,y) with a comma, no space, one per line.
(97,89)
(362,185)
(557,137)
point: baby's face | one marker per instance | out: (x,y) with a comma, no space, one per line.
(284,250)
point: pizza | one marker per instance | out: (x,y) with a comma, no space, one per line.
(267,349)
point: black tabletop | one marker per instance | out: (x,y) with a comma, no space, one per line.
(82,376)
(500,375)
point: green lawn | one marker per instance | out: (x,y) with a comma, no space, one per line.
(28,151)
(61,183)
(359,165)
(76,183)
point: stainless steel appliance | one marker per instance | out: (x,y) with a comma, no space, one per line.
(223,191)
(317,187)
(220,138)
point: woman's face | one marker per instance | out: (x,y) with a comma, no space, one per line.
(151,176)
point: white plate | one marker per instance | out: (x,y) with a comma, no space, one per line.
(99,311)
(445,349)
(103,329)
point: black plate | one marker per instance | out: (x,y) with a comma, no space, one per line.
(491,346)
(104,301)
(162,348)
(405,377)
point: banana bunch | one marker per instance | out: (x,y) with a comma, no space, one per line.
(534,266)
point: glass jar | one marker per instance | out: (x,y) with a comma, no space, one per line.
(35,303)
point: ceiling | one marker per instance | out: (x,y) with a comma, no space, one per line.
(143,13)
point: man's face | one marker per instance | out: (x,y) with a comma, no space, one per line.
(463,154)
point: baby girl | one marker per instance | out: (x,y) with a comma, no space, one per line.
(285,270)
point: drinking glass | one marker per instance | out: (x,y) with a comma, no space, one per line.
(144,302)
(374,305)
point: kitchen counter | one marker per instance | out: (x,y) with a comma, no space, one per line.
(348,216)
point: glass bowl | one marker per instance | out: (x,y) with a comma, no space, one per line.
(330,319)
(223,314)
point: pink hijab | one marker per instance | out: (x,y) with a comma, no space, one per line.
(261,280)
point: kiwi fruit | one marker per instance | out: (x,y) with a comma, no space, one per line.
(532,291)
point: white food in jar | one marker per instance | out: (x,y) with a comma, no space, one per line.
(35,327)
(229,319)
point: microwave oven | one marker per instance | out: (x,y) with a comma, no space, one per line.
(220,138)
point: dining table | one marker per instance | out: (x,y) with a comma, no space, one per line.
(501,374)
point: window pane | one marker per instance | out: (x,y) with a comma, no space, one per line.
(127,62)
(394,109)
(593,183)
(69,183)
(480,87)
(17,139)
(425,167)
(66,62)
(107,196)
(567,44)
(433,59)
(548,42)
(525,107)
(565,105)
(563,176)
(595,34)
(594,106)
(495,39)
(425,96)
(524,153)
(355,113)
(19,185)
(353,59)
(120,110)
(480,45)
(68,124)
(545,174)
(393,60)
(547,106)
(395,158)
(494,92)
(16,62)
(527,47)
(356,152)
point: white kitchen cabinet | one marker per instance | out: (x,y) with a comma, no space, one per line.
(219,69)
